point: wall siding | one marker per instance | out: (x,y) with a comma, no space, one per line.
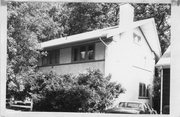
(143,63)
(143,57)
(99,51)
(125,62)
(74,68)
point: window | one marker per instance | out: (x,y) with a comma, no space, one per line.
(143,91)
(90,52)
(75,53)
(136,39)
(44,60)
(51,58)
(83,53)
(56,56)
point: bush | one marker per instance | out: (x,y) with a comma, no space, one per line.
(87,92)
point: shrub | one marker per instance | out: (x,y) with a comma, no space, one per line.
(87,92)
(102,91)
(156,91)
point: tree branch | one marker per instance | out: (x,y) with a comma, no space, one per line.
(161,21)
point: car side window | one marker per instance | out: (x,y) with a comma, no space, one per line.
(145,108)
(122,104)
(148,106)
(141,107)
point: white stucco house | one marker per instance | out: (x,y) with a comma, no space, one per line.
(128,52)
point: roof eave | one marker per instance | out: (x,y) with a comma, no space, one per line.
(92,35)
(43,46)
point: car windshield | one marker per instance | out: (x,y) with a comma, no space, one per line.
(130,105)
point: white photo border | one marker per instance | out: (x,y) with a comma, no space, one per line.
(175,57)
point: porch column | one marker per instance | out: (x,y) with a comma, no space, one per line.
(161,98)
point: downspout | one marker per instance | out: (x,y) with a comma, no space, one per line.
(105,56)
(103,42)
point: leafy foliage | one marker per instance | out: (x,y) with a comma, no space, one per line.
(28,24)
(87,92)
(90,16)
(156,90)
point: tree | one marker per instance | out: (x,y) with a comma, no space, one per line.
(22,45)
(28,24)
(90,16)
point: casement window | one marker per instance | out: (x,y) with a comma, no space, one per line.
(143,90)
(83,53)
(56,56)
(44,60)
(51,58)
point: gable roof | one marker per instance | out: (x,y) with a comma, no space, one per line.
(165,59)
(148,27)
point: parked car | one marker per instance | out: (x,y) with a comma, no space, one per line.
(25,105)
(132,108)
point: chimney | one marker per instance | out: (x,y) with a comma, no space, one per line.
(126,14)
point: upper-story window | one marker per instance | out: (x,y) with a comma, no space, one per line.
(83,53)
(51,58)
(136,39)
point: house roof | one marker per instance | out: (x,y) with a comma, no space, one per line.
(165,59)
(148,27)
(91,35)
